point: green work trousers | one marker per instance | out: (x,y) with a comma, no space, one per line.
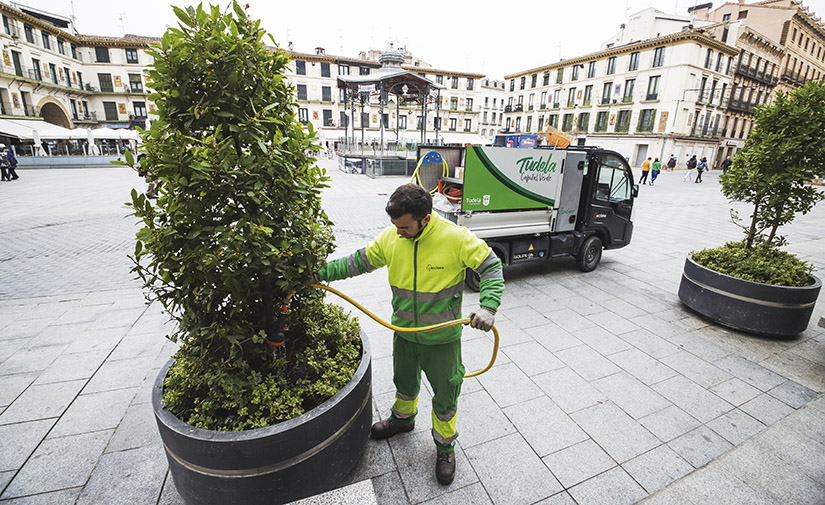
(445,373)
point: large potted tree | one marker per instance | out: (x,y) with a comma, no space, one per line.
(754,285)
(267,399)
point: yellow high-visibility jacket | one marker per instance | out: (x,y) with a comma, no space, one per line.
(426,275)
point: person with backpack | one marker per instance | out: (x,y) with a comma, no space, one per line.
(691,164)
(8,164)
(701,167)
(671,163)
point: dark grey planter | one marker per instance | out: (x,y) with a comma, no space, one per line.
(291,460)
(763,309)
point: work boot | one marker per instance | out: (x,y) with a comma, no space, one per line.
(445,467)
(386,428)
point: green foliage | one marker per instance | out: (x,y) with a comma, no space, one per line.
(758,264)
(238,224)
(207,391)
(784,151)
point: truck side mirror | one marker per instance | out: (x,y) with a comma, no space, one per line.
(635,191)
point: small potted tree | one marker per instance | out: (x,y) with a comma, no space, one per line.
(267,399)
(753,285)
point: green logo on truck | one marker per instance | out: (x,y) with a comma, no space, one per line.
(500,178)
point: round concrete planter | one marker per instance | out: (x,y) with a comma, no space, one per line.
(764,309)
(294,459)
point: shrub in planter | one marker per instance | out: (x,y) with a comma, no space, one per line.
(236,228)
(784,152)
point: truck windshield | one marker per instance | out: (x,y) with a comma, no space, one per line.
(612,185)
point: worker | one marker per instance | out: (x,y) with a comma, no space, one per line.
(426,258)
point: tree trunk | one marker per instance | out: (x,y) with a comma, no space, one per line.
(752,231)
(775,225)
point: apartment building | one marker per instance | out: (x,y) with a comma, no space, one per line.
(781,45)
(454,112)
(48,71)
(492,108)
(756,76)
(788,23)
(655,97)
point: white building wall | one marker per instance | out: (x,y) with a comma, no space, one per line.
(647,24)
(464,112)
(670,112)
(58,82)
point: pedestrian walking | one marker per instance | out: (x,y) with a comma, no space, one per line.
(8,164)
(645,170)
(691,165)
(726,164)
(421,297)
(655,167)
(702,166)
(671,163)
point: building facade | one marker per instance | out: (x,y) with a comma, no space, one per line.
(48,71)
(456,116)
(654,97)
(781,46)
(492,108)
(788,23)
(755,79)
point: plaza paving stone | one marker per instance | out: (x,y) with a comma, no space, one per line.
(607,389)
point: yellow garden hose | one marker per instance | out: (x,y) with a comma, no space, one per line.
(415,330)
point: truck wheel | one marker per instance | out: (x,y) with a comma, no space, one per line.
(590,254)
(473,280)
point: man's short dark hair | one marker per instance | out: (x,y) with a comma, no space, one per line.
(410,199)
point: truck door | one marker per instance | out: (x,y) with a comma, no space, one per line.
(611,200)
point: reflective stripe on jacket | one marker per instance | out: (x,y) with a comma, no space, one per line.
(426,275)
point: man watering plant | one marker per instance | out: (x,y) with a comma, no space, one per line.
(426,258)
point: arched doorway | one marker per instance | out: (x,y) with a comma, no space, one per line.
(53,113)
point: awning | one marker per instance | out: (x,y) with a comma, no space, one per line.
(114,133)
(29,129)
(463,138)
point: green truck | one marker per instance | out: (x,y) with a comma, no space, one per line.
(537,204)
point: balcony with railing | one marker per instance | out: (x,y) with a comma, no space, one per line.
(794,78)
(742,106)
(87,117)
(756,75)
(20,110)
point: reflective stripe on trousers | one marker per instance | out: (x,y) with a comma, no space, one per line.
(444,431)
(405,407)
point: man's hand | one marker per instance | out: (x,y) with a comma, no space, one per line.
(483,319)
(313,280)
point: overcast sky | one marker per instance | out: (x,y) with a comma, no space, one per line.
(448,34)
